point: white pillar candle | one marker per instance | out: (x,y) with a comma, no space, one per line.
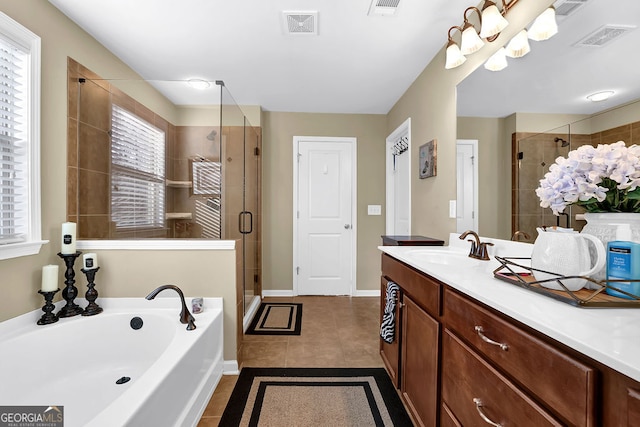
(68,238)
(90,261)
(49,278)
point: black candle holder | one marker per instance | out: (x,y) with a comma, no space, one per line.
(48,316)
(91,295)
(70,292)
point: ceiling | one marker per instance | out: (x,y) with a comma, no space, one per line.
(357,63)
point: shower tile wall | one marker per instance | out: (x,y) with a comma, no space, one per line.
(88,151)
(539,151)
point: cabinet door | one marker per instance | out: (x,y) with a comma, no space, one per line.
(633,407)
(477,394)
(390,353)
(419,352)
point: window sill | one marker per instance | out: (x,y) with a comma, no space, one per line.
(15,250)
(157,244)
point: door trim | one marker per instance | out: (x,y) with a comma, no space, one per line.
(404,128)
(354,205)
(474,146)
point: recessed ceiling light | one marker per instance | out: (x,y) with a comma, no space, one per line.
(198,84)
(600,96)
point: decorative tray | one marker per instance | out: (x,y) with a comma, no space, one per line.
(521,275)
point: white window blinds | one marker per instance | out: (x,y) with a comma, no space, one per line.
(137,172)
(14,187)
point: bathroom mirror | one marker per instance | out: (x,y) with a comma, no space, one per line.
(545,92)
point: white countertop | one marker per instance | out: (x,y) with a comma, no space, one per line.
(609,335)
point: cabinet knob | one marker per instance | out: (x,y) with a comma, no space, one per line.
(484,417)
(480,331)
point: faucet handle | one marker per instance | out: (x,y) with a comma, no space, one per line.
(483,253)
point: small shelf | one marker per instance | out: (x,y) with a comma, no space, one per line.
(179,184)
(178,215)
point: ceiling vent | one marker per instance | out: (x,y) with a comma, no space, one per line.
(384,7)
(565,8)
(301,22)
(604,35)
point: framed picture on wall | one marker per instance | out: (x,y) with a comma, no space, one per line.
(428,159)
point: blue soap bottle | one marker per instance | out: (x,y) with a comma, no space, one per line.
(623,263)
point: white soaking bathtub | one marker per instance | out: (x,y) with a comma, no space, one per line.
(76,362)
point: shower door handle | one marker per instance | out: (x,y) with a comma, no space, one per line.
(241,222)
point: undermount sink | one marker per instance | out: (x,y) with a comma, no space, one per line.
(443,257)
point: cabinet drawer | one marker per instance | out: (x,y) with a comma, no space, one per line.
(424,290)
(559,380)
(476,393)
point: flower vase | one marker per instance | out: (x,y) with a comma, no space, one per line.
(604,226)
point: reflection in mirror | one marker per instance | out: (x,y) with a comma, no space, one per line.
(541,97)
(534,153)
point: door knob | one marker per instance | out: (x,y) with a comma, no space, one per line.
(347,226)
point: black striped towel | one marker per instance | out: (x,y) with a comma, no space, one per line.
(388,326)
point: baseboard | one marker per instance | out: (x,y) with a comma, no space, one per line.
(372,293)
(230,367)
(289,293)
(277,293)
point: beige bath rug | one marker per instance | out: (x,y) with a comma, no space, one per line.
(277,318)
(308,397)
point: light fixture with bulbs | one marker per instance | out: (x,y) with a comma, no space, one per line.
(492,23)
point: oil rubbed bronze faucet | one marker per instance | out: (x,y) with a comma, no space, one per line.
(478,248)
(185,314)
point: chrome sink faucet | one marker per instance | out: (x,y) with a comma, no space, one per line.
(185,315)
(478,248)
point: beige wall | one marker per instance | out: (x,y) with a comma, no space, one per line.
(431,103)
(277,224)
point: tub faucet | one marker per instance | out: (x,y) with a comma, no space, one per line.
(478,248)
(185,314)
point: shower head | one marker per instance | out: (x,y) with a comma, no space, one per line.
(565,143)
(212,135)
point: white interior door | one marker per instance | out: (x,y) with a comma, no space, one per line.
(467,185)
(398,197)
(324,239)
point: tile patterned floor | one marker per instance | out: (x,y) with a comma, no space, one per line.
(336,332)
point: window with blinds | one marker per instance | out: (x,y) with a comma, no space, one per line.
(137,172)
(19,140)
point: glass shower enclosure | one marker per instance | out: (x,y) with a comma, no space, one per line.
(159,160)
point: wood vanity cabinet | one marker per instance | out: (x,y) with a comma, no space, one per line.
(458,362)
(566,384)
(418,330)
